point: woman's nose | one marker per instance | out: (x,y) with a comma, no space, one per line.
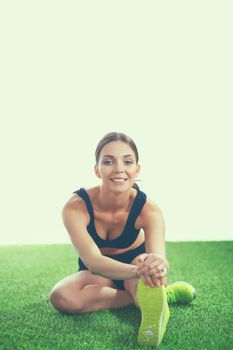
(119,167)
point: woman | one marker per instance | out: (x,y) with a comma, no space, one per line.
(119,235)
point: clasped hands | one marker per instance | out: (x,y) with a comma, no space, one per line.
(152,269)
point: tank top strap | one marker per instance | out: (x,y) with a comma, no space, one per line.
(83,194)
(137,206)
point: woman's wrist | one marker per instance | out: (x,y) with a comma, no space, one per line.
(136,275)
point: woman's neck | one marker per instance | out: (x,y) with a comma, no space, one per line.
(111,201)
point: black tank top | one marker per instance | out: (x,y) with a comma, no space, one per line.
(129,234)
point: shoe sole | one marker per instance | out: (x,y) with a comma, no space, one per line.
(152,302)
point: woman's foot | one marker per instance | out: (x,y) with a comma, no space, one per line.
(154,314)
(180,292)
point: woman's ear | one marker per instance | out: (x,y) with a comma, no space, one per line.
(96,169)
(138,169)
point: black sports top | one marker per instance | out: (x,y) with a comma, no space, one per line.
(129,234)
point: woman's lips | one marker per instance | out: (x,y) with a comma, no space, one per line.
(118,180)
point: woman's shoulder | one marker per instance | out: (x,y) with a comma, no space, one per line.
(76,201)
(77,204)
(151,207)
(149,213)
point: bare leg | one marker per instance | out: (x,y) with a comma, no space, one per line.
(85,292)
(95,298)
(131,287)
(132,284)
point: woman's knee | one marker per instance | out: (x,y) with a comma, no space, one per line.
(61,301)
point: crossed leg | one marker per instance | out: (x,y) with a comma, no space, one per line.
(85,292)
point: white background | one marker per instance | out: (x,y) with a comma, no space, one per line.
(161,72)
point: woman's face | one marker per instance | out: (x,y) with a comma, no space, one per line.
(117,166)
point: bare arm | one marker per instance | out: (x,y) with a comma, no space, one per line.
(154,229)
(75,221)
(155,264)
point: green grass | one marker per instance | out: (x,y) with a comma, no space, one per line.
(28,321)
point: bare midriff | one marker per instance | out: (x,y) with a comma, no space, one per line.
(112,251)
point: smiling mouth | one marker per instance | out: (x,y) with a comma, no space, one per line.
(118,180)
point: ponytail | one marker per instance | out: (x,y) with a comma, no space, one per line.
(136,186)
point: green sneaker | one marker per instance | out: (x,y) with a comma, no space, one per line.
(180,292)
(155,314)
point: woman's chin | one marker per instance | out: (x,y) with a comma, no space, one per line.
(117,187)
(120,187)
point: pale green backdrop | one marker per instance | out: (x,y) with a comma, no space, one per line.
(160,72)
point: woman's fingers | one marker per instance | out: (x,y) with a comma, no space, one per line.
(147,280)
(164,281)
(144,267)
(162,267)
(156,282)
(153,281)
(152,270)
(159,281)
(157,274)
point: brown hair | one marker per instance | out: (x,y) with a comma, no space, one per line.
(116,136)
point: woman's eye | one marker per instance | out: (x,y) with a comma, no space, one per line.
(108,162)
(128,162)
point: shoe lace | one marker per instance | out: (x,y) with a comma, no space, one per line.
(170,297)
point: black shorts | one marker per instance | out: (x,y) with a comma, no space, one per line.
(126,258)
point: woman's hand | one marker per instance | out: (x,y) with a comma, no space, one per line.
(152,268)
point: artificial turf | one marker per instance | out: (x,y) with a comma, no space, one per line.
(28,320)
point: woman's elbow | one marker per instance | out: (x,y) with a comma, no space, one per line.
(93,266)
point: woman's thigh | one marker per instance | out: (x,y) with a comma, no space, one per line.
(66,294)
(80,280)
